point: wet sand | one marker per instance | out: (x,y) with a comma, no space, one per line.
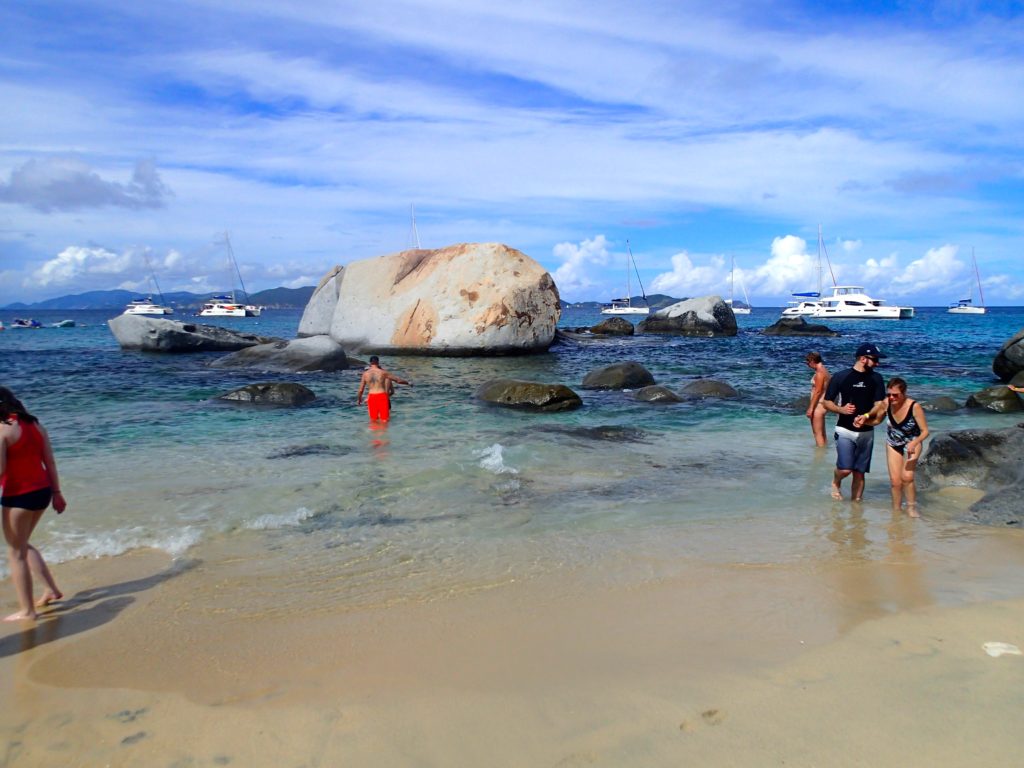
(834,661)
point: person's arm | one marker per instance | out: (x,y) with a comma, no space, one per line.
(396,379)
(876,415)
(1016,389)
(832,394)
(59,503)
(362,388)
(915,447)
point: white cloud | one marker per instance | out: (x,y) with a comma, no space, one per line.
(75,262)
(688,279)
(573,275)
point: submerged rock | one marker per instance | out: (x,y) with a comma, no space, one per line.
(709,388)
(657,394)
(314,353)
(627,375)
(467,299)
(941,404)
(797,326)
(988,459)
(154,334)
(529,395)
(704,316)
(271,393)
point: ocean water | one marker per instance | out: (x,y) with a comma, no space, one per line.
(454,495)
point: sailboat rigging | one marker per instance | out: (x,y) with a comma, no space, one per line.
(737,309)
(624,306)
(147,306)
(967,306)
(223,305)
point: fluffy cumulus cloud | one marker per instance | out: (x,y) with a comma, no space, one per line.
(74,263)
(63,184)
(688,279)
(937,271)
(578,263)
(789,268)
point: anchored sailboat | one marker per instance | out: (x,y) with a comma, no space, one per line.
(228,306)
(967,306)
(737,309)
(147,306)
(624,306)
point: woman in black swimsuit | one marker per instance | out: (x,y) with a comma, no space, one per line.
(906,430)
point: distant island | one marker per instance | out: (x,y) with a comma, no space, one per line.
(272,298)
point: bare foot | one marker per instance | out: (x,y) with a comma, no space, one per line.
(48,597)
(22,616)
(912,510)
(836,494)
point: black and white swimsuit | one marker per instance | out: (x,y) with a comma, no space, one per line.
(898,434)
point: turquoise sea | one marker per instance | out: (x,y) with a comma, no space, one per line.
(455,495)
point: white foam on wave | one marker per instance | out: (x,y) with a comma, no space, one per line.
(66,546)
(493,460)
(281,520)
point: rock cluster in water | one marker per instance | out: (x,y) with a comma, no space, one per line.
(316,353)
(1009,361)
(271,393)
(528,395)
(797,326)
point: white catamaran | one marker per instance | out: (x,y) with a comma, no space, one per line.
(846,302)
(228,306)
(624,306)
(967,306)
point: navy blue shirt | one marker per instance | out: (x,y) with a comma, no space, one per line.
(863,389)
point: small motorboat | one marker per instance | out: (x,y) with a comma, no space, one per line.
(64,324)
(19,322)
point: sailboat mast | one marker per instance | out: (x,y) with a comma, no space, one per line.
(414,235)
(638,280)
(235,271)
(977,276)
(152,276)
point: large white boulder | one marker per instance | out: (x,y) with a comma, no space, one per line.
(703,316)
(319,312)
(467,299)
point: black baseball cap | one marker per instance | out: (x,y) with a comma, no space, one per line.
(869,350)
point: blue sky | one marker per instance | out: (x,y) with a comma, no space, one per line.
(699,132)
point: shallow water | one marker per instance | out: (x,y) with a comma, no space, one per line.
(455,495)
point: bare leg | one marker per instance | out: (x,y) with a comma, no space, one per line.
(909,488)
(894,459)
(18,526)
(818,426)
(837,482)
(52,592)
(857,486)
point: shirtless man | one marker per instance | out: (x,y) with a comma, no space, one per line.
(377,382)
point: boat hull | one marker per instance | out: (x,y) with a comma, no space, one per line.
(961,310)
(625,311)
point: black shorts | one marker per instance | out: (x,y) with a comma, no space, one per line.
(32,500)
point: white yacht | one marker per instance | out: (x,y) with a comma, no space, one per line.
(226,306)
(624,306)
(848,302)
(146,306)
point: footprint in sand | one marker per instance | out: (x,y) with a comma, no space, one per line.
(712,716)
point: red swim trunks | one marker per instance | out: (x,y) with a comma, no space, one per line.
(379,406)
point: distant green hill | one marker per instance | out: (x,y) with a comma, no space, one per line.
(654,301)
(277,298)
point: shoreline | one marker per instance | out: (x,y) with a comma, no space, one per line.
(839,660)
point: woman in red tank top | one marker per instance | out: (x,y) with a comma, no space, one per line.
(28,478)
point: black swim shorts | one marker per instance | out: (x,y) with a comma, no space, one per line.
(32,500)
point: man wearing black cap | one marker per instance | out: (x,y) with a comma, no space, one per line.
(862,393)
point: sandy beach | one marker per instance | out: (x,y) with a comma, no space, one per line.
(837,660)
